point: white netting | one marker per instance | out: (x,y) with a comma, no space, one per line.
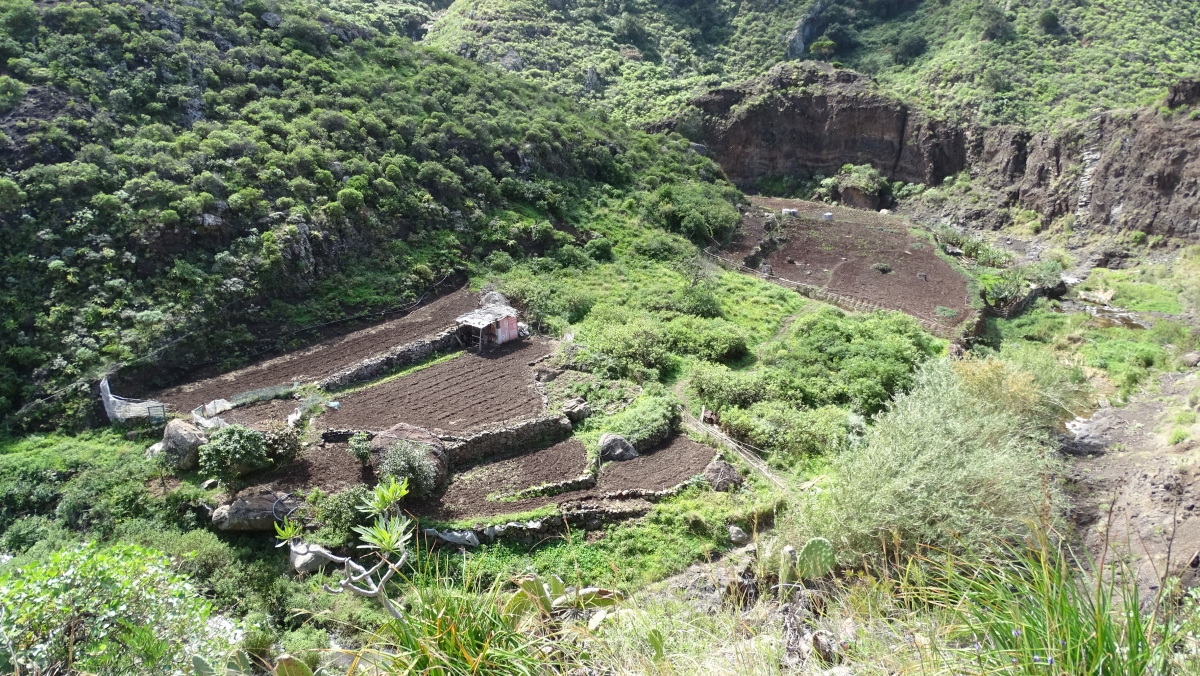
(120,409)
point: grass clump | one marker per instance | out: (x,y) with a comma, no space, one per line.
(1032,610)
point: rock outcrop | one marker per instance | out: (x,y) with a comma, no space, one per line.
(616,447)
(807,118)
(722,476)
(254,510)
(1120,170)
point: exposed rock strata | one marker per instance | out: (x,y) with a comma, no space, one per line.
(1120,170)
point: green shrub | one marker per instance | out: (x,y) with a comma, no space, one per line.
(339,515)
(307,644)
(1178,436)
(499,261)
(12,92)
(649,420)
(115,609)
(232,451)
(408,460)
(282,443)
(790,435)
(360,448)
(599,249)
(961,461)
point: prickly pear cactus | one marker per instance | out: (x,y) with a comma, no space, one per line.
(815,559)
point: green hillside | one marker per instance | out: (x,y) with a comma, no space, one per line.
(1024,62)
(200,176)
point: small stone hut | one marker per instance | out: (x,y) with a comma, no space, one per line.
(491,325)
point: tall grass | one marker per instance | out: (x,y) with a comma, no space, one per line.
(454,626)
(1033,610)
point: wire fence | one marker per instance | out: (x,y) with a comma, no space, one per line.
(825,296)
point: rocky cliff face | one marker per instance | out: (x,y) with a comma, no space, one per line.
(1119,170)
(804,119)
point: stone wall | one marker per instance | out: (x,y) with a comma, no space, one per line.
(544,430)
(402,355)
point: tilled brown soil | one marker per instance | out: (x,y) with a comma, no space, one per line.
(261,414)
(330,468)
(469,487)
(324,358)
(838,256)
(665,467)
(468,392)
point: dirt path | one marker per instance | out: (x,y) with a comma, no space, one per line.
(1135,494)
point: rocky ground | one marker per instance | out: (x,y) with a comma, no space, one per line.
(1135,494)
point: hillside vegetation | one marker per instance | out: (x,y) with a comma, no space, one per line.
(202,175)
(1018,62)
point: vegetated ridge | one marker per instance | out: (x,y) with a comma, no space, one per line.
(186,179)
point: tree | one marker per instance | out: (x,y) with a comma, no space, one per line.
(1048,21)
(823,47)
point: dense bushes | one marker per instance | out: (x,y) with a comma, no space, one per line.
(232,451)
(788,434)
(302,170)
(408,461)
(826,358)
(960,462)
(650,419)
(622,341)
(101,610)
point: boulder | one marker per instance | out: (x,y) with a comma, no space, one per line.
(738,536)
(615,447)
(492,298)
(462,538)
(254,510)
(722,476)
(435,450)
(577,409)
(181,445)
(154,450)
(309,558)
(1190,359)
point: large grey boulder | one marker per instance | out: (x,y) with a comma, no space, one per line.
(181,445)
(254,510)
(309,558)
(616,447)
(722,476)
(1190,359)
(492,298)
(738,536)
(432,446)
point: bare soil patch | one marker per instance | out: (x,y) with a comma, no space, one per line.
(324,358)
(261,414)
(329,467)
(848,256)
(468,392)
(470,486)
(665,467)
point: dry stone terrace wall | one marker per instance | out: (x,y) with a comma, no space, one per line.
(531,433)
(403,355)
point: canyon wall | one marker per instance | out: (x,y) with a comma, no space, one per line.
(1118,170)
